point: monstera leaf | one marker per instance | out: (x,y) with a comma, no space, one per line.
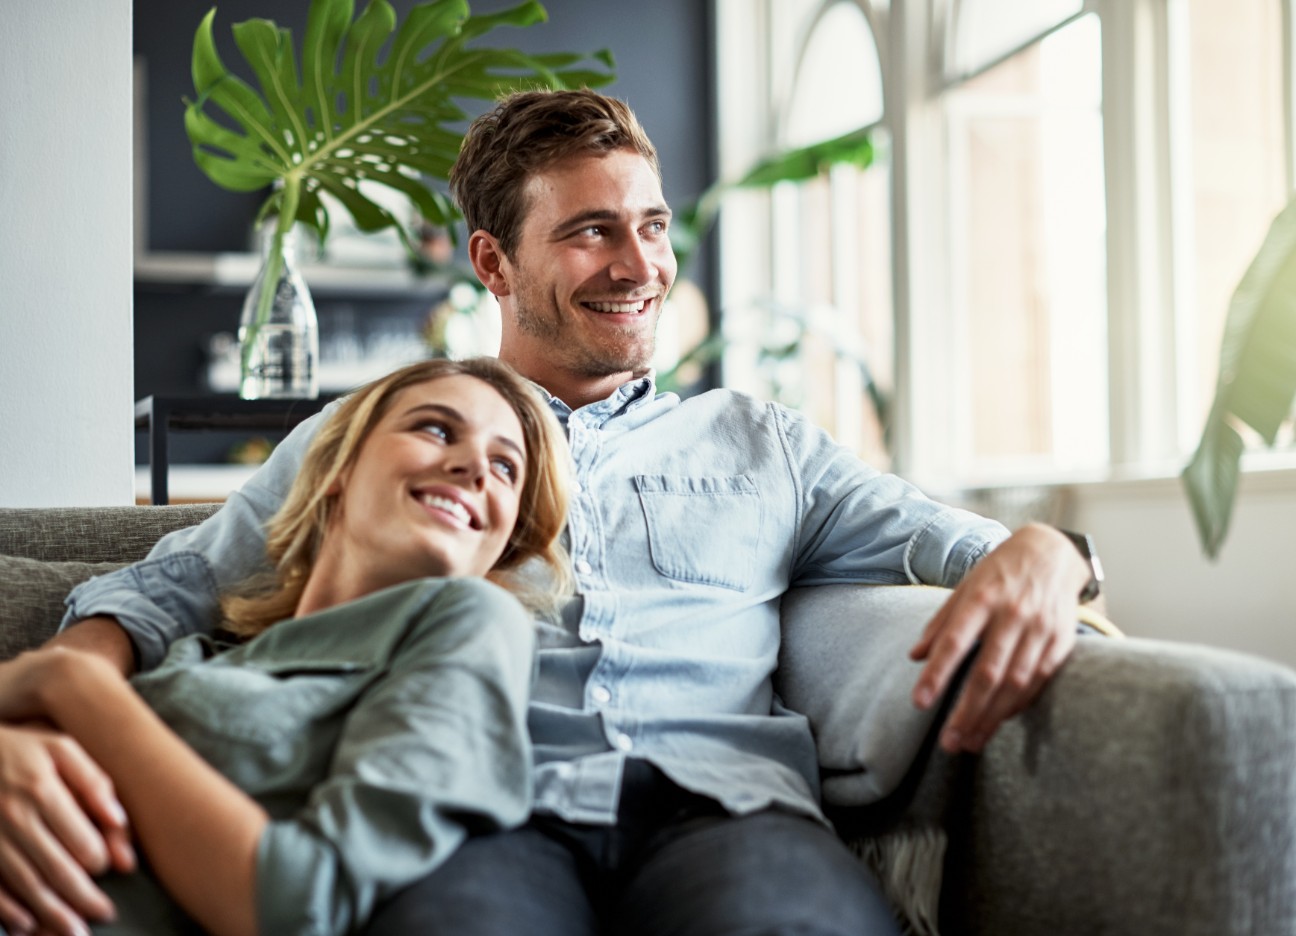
(1257,378)
(371,103)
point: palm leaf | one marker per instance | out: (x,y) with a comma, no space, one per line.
(373,101)
(1257,379)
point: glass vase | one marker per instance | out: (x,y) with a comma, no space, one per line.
(278,331)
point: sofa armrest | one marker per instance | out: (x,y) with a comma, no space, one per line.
(1150,789)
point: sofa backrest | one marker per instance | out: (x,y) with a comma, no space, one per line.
(44,552)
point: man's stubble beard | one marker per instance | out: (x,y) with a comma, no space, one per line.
(550,328)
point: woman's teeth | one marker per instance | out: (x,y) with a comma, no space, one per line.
(452,507)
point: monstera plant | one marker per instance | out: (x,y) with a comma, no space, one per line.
(1256,382)
(366,102)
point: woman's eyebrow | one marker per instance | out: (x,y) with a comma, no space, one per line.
(449,412)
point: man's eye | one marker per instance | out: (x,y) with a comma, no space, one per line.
(657,227)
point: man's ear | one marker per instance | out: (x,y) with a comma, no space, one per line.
(489,263)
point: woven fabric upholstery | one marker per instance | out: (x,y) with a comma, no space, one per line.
(93,534)
(31,598)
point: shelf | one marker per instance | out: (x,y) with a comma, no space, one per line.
(234,272)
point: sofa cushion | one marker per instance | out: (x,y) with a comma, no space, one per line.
(92,534)
(31,598)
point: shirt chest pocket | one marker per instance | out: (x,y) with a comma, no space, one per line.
(702,530)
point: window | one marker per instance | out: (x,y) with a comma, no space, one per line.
(817,330)
(1028,277)
(1231,168)
(1040,262)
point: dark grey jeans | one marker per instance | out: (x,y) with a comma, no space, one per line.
(675,865)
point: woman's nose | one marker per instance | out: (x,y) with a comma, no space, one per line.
(468,464)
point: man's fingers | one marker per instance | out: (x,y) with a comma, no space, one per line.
(949,647)
(934,626)
(983,681)
(1017,684)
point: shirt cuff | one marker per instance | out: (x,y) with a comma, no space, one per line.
(951,543)
(155,601)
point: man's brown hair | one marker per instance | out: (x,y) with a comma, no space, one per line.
(525,134)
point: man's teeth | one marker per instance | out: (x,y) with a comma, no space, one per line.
(452,507)
(622,308)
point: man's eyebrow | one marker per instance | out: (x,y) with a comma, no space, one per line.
(607,215)
(455,416)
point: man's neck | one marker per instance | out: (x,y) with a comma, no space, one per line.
(574,390)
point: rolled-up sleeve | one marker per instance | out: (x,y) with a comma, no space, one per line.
(861,525)
(176,589)
(437,747)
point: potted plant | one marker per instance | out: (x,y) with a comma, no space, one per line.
(366,101)
(1256,382)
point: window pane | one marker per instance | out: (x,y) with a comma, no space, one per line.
(1237,153)
(833,253)
(839,85)
(1028,259)
(984,30)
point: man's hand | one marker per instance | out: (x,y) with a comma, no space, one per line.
(1020,603)
(60,823)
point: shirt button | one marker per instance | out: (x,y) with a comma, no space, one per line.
(583,567)
(576,487)
(602,694)
(624,742)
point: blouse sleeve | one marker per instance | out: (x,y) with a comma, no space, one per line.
(435,749)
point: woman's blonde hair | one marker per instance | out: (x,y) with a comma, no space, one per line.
(295,532)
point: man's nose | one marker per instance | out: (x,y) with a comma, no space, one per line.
(634,262)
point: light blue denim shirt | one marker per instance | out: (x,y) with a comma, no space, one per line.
(689,522)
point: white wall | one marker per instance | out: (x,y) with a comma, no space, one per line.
(66,382)
(1160,584)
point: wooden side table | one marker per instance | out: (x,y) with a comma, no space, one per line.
(162,414)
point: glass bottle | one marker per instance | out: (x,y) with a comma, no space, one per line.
(278,331)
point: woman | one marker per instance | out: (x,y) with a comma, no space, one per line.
(289,782)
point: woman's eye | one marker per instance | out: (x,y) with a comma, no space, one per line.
(439,430)
(505,468)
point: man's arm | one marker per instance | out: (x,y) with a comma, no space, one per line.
(1019,603)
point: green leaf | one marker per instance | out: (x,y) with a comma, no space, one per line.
(1257,378)
(354,113)
(690,225)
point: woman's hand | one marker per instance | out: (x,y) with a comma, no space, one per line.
(60,821)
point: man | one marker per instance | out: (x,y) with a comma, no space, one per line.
(673,792)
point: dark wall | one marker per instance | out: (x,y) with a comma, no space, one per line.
(662,61)
(662,52)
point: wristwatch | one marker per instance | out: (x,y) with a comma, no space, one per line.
(1085,544)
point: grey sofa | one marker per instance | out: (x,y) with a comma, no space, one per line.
(1151,790)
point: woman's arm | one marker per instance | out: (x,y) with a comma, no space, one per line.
(199,831)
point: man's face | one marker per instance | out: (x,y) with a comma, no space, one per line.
(591,269)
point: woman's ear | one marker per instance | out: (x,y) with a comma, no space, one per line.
(489,263)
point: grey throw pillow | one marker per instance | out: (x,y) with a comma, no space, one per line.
(31,598)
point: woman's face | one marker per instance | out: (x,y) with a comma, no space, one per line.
(434,489)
